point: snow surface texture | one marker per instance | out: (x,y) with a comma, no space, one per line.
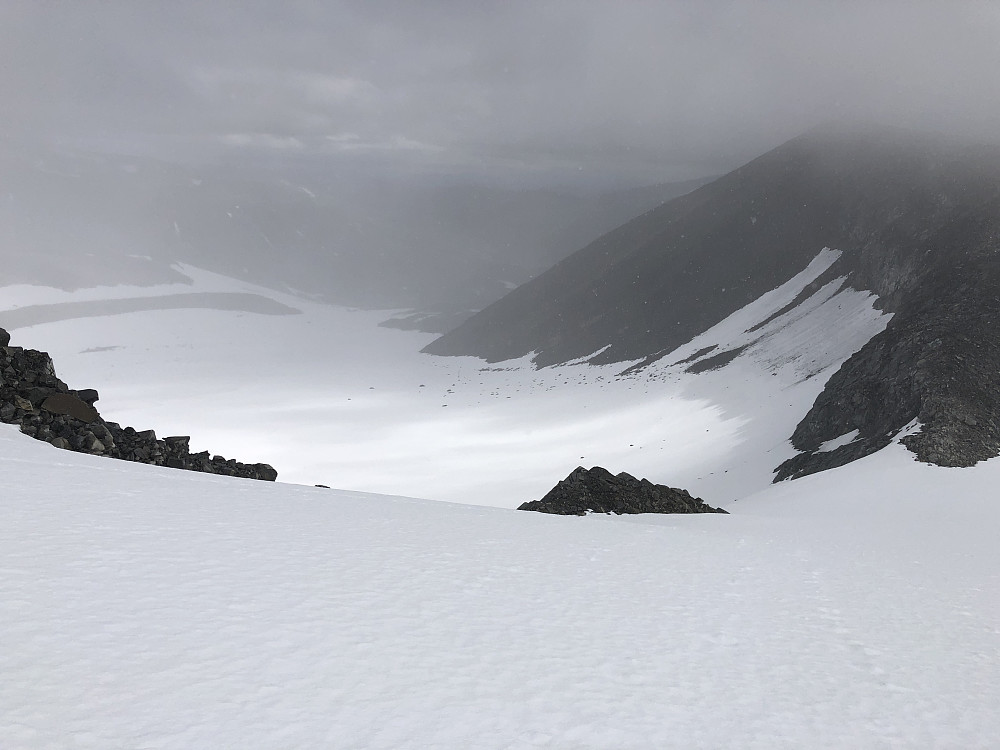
(328,397)
(146,608)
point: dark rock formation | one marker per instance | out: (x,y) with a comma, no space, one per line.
(600,491)
(47,409)
(937,362)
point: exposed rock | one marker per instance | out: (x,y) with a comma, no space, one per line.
(600,491)
(89,395)
(265,472)
(46,409)
(72,406)
(936,363)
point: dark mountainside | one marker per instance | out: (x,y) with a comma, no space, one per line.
(918,222)
(32,396)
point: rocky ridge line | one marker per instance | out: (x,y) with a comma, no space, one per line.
(32,396)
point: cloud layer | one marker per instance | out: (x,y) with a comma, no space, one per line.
(639,90)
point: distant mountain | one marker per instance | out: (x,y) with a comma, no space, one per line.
(74,219)
(917,222)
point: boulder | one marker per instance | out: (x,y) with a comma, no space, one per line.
(599,491)
(64,403)
(265,472)
(178,445)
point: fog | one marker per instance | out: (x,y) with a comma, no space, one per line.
(372,119)
(645,91)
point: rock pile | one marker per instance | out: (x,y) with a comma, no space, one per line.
(600,491)
(47,409)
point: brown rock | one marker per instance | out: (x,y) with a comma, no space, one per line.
(64,403)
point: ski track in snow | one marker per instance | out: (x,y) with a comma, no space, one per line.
(148,608)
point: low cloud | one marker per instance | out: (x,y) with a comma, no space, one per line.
(261,140)
(644,90)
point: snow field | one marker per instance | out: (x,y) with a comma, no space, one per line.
(329,397)
(149,608)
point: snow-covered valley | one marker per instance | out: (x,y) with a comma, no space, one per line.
(144,607)
(328,396)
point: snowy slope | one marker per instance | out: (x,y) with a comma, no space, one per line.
(150,608)
(327,396)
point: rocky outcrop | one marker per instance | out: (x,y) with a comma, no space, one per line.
(600,491)
(936,364)
(32,396)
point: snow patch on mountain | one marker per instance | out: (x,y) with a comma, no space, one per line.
(736,329)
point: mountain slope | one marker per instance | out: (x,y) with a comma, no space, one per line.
(915,220)
(668,275)
(936,363)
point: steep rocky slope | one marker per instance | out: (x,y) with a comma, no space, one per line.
(937,363)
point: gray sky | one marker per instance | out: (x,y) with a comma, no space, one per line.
(639,91)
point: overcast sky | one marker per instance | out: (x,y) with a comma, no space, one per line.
(639,90)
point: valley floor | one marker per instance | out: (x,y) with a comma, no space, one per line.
(327,396)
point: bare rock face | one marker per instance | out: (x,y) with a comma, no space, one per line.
(937,363)
(47,409)
(600,491)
